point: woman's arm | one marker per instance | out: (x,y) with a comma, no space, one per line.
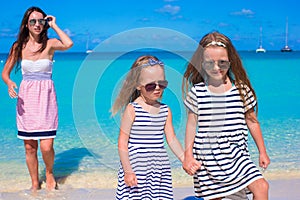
(65,41)
(9,65)
(254,128)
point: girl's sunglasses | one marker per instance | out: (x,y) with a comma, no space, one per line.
(209,65)
(151,86)
(42,22)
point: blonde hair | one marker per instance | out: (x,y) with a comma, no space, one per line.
(129,92)
(195,74)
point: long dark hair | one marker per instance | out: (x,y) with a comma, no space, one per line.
(23,37)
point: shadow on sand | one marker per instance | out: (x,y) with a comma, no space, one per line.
(66,163)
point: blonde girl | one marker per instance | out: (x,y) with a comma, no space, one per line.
(145,171)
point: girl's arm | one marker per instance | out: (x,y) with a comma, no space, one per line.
(190,164)
(9,65)
(126,123)
(172,140)
(65,41)
(254,128)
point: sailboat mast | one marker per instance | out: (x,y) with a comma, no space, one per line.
(87,42)
(286,32)
(260,38)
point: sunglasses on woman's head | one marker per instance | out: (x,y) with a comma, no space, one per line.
(151,86)
(32,22)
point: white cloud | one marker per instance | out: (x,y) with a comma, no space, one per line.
(145,19)
(222,24)
(243,12)
(68,32)
(96,41)
(169,9)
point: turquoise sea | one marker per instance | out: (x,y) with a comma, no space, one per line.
(86,142)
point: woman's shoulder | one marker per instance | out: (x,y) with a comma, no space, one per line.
(51,41)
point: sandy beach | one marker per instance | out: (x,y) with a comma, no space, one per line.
(280,189)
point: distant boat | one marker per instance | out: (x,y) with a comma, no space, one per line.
(87,46)
(286,48)
(260,49)
(89,51)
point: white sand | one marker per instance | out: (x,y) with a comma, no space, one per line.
(284,189)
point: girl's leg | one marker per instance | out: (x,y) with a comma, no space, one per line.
(31,147)
(48,157)
(260,189)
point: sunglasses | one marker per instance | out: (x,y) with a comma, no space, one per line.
(42,22)
(151,86)
(209,65)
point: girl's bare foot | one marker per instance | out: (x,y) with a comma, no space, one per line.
(50,182)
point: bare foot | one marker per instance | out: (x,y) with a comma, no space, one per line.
(50,182)
(35,187)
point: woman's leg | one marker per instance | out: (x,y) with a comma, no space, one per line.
(260,189)
(48,157)
(31,147)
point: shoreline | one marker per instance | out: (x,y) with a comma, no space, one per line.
(279,189)
(107,179)
(102,185)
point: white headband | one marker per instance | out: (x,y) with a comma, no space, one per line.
(216,43)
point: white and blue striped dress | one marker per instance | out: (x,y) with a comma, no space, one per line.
(221,142)
(148,158)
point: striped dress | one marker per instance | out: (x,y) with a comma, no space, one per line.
(37,116)
(221,142)
(148,158)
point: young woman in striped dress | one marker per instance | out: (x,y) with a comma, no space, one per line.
(145,171)
(37,107)
(221,104)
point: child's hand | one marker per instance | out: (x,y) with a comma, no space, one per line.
(130,179)
(264,160)
(191,165)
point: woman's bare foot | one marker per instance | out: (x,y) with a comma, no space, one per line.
(35,187)
(50,182)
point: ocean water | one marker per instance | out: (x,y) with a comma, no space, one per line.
(86,142)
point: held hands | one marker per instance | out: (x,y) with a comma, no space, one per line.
(191,165)
(11,89)
(130,179)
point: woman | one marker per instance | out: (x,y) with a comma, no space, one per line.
(37,117)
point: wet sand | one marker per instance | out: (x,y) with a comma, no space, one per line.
(287,189)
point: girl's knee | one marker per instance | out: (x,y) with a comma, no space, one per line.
(260,186)
(264,184)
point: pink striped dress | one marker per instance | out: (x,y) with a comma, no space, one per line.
(37,115)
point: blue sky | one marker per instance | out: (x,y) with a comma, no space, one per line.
(99,20)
